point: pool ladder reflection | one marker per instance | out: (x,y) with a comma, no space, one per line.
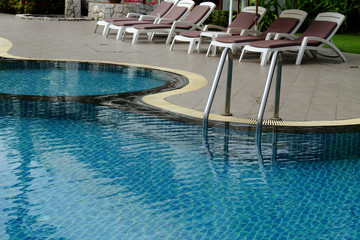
(276,61)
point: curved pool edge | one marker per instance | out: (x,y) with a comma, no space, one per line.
(196,81)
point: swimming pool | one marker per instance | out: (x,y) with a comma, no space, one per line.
(71,170)
(56,78)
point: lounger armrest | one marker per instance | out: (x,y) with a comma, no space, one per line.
(322,40)
(230,30)
(208,27)
(165,20)
(251,32)
(281,35)
(146,17)
(184,23)
(133,15)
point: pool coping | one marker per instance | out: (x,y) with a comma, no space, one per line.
(196,81)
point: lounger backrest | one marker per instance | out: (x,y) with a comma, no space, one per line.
(244,20)
(282,25)
(321,29)
(161,9)
(296,14)
(197,14)
(176,13)
(180,10)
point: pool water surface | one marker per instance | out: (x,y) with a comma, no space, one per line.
(70,170)
(74,79)
(91,172)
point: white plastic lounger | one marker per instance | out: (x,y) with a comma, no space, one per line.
(192,21)
(318,34)
(177,12)
(289,21)
(244,20)
(159,11)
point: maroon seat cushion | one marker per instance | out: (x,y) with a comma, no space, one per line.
(282,25)
(119,19)
(197,14)
(131,23)
(191,34)
(276,43)
(321,29)
(176,13)
(161,9)
(239,39)
(153,26)
(244,20)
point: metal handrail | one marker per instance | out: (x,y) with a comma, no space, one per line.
(277,58)
(226,54)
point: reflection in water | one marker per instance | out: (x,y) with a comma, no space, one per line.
(22,223)
(88,172)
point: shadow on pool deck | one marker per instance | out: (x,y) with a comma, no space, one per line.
(319,92)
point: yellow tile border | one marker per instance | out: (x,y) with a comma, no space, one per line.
(196,81)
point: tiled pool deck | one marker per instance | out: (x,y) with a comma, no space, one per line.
(322,91)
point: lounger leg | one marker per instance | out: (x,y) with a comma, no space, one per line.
(168,40)
(135,37)
(123,36)
(209,49)
(199,44)
(107,32)
(337,51)
(96,26)
(242,54)
(191,45)
(151,36)
(214,51)
(265,57)
(120,33)
(301,51)
(106,29)
(172,44)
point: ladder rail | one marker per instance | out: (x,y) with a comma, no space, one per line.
(226,54)
(277,58)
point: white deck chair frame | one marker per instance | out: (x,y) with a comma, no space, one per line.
(214,34)
(173,30)
(327,16)
(135,16)
(182,3)
(290,13)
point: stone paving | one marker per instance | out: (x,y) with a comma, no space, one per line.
(322,89)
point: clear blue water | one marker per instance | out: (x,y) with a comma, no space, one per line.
(74,79)
(76,171)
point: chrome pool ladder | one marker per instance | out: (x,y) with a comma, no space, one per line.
(227,54)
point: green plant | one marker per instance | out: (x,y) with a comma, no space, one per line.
(314,7)
(350,8)
(32,6)
(220,18)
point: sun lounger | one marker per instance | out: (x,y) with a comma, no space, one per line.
(317,35)
(289,21)
(244,20)
(177,12)
(192,21)
(158,12)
